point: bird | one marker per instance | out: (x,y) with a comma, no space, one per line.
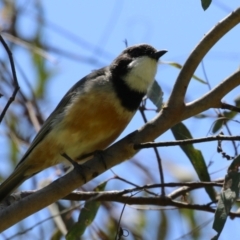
(91,115)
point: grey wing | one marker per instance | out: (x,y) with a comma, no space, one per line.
(77,88)
(47,126)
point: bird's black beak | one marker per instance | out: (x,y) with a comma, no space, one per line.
(158,54)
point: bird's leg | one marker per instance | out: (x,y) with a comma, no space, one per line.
(97,153)
(78,167)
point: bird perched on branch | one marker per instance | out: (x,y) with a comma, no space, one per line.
(91,115)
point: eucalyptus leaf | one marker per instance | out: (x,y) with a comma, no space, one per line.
(155,94)
(195,156)
(206,4)
(228,196)
(86,217)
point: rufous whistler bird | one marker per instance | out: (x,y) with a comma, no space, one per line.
(91,115)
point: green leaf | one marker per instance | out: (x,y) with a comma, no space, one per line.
(227,197)
(206,4)
(155,94)
(13,123)
(192,220)
(57,235)
(86,216)
(218,125)
(226,116)
(179,66)
(163,225)
(235,164)
(215,237)
(180,132)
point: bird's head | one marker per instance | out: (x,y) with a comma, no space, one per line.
(137,66)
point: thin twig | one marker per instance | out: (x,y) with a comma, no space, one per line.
(235,109)
(118,235)
(185,142)
(233,142)
(133,184)
(159,160)
(112,195)
(15,81)
(230,107)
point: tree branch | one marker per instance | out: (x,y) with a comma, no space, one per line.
(213,98)
(230,107)
(110,195)
(185,142)
(208,41)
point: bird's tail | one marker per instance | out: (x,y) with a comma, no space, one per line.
(13,181)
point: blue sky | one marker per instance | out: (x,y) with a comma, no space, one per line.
(173,25)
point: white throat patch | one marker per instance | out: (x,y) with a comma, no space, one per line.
(142,71)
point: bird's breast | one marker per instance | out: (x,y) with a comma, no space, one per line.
(91,122)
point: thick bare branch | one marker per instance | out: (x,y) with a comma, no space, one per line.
(208,41)
(213,98)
